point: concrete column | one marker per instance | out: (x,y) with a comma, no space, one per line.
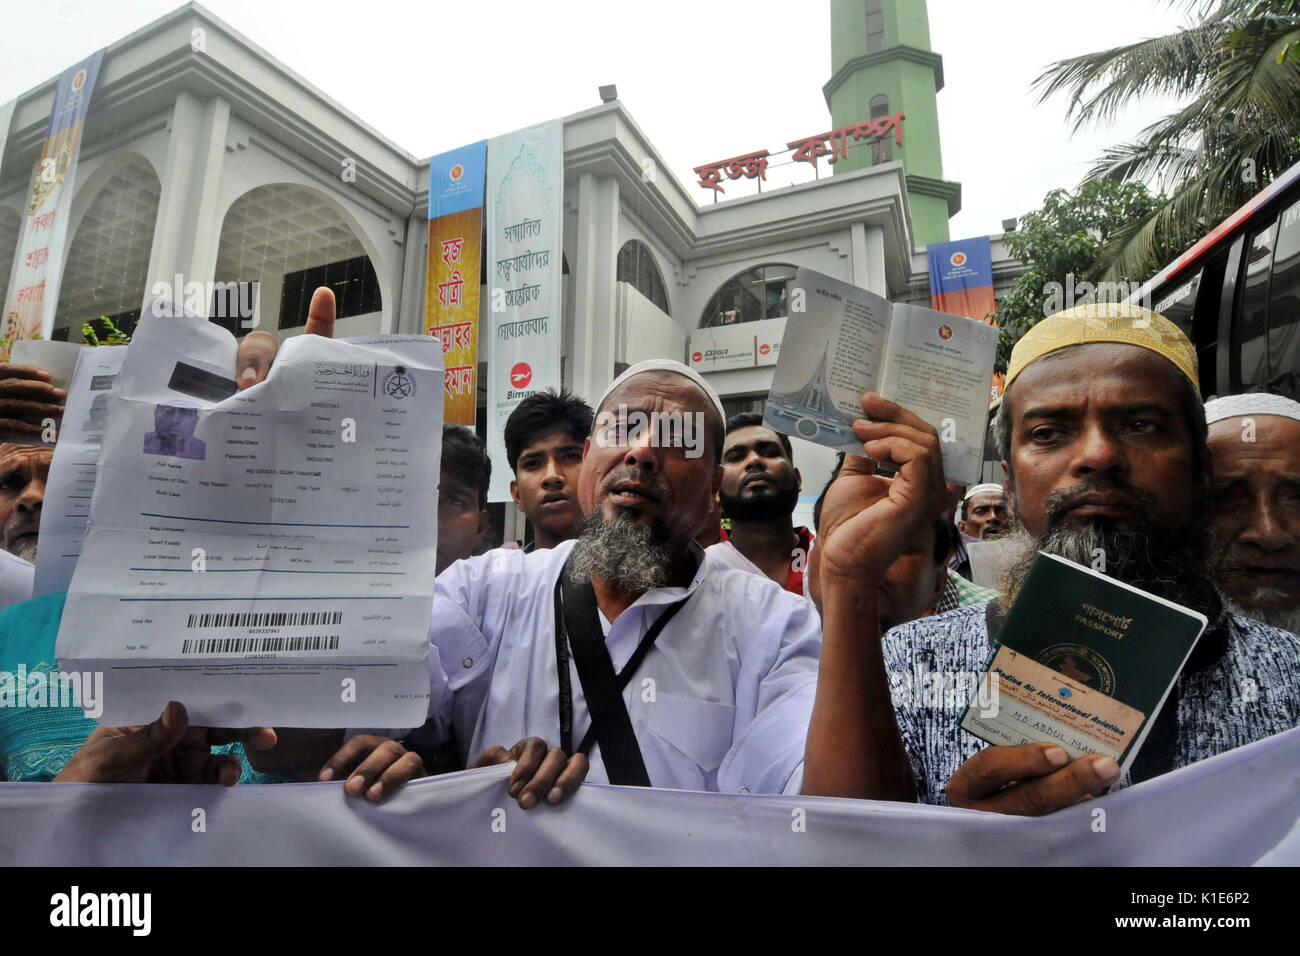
(858,253)
(593,272)
(406,315)
(868,244)
(188,230)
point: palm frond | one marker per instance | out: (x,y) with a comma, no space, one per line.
(1177,65)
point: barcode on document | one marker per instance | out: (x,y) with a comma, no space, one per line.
(257,645)
(265,619)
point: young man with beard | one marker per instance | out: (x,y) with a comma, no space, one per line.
(24,470)
(1103,440)
(543,438)
(760,487)
(1255,446)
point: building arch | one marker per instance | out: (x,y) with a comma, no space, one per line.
(288,239)
(756,293)
(105,271)
(636,266)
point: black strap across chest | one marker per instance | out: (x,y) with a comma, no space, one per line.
(577,625)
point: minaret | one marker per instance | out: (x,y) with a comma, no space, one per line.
(882,64)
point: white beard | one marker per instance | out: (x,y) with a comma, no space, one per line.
(1283,620)
(25,548)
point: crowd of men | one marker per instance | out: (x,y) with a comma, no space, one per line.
(668,625)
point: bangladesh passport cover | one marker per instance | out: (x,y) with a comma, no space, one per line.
(1083,661)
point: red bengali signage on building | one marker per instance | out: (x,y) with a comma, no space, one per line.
(833,144)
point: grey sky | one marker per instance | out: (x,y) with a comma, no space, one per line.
(704,81)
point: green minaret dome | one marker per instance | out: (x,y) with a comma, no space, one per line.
(882,64)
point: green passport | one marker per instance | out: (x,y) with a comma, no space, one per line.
(1083,661)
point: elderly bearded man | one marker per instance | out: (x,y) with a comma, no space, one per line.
(1103,440)
(1255,446)
(719,700)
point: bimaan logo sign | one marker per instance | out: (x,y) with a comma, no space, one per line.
(75,908)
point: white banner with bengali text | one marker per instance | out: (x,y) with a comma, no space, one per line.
(525,206)
(1239,808)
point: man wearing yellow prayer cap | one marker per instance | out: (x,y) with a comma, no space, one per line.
(1102,436)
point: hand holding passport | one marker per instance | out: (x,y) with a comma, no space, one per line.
(1078,672)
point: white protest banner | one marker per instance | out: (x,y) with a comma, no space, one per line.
(1239,808)
(525,203)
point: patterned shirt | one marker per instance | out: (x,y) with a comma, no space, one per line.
(1241,684)
(959,592)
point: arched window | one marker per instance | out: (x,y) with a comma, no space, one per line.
(286,240)
(636,265)
(108,259)
(882,150)
(757,293)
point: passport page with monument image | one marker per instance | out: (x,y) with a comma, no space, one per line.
(841,341)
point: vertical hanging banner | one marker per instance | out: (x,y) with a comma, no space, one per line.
(961,278)
(451,292)
(33,288)
(525,202)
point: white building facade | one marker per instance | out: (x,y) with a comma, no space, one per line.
(206,161)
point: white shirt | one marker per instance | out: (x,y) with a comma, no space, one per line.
(728,555)
(721,702)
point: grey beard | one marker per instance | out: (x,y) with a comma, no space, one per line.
(25,548)
(630,556)
(1283,620)
(1174,567)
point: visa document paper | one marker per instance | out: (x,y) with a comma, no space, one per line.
(1083,661)
(847,341)
(265,557)
(72,471)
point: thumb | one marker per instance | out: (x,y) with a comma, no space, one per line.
(164,733)
(321,313)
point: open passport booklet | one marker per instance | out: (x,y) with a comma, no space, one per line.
(1083,661)
(841,341)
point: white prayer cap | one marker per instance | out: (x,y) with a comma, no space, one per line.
(666,365)
(974,490)
(1250,403)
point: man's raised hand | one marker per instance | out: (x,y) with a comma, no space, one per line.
(27,399)
(257,350)
(867,519)
(1029,780)
(540,774)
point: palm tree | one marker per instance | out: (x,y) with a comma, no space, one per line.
(1238,75)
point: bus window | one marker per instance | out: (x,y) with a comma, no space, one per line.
(1284,297)
(1252,354)
(1177,303)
